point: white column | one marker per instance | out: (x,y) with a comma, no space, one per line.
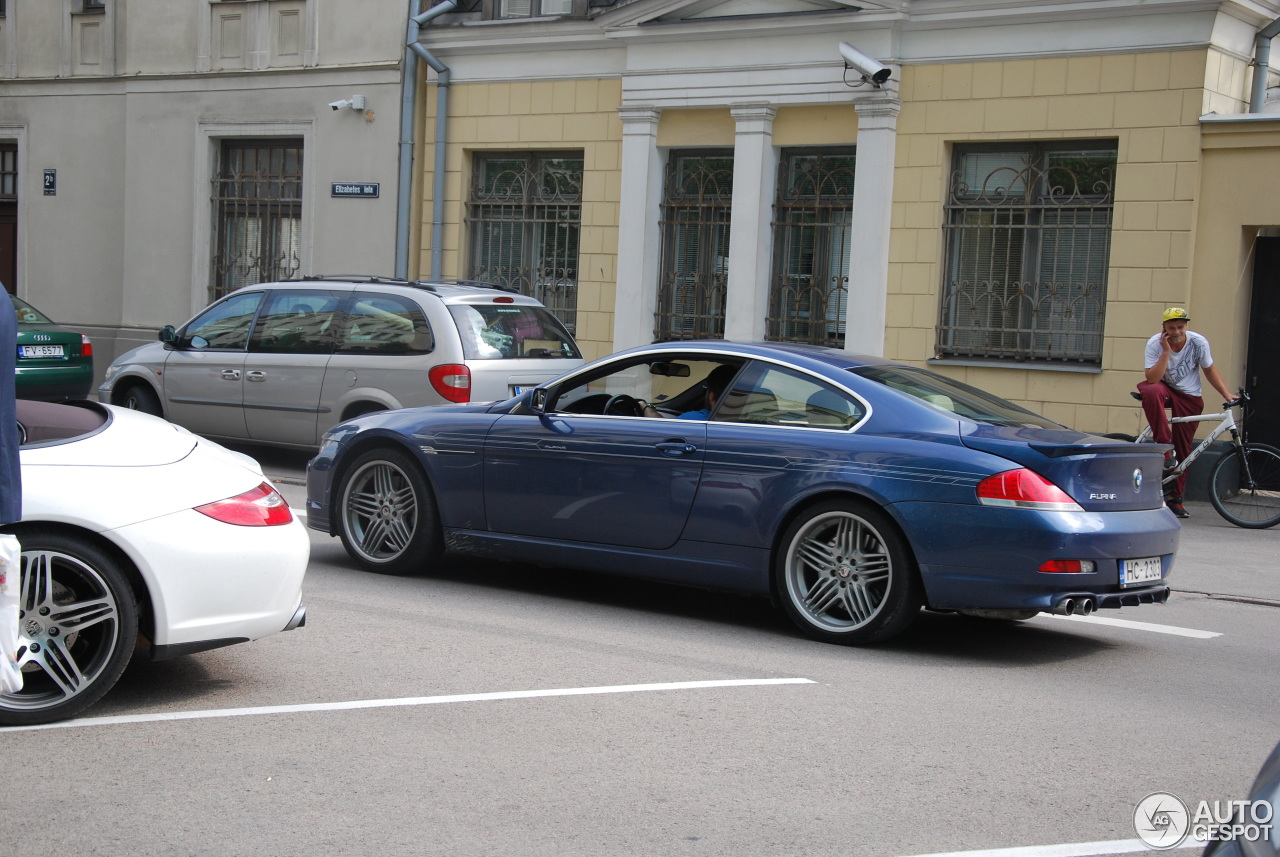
(755,170)
(639,241)
(872,211)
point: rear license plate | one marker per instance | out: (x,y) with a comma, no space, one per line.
(516,391)
(1136,571)
(39,350)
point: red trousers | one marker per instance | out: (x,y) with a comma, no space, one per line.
(1155,398)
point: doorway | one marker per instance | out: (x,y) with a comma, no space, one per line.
(1261,372)
(9,216)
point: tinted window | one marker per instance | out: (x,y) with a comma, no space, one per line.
(224,326)
(297,322)
(954,397)
(774,395)
(385,324)
(511,331)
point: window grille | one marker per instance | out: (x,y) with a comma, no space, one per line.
(1028,242)
(813,213)
(257,196)
(525,216)
(533,8)
(695,218)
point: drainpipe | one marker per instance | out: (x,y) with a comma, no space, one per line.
(408,104)
(1261,60)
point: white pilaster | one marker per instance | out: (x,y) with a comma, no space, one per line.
(639,241)
(755,170)
(872,211)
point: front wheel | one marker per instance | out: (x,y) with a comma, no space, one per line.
(78,625)
(1244,486)
(846,576)
(139,398)
(386,514)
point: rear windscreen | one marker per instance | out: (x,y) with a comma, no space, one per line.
(511,332)
(954,397)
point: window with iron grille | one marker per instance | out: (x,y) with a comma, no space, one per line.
(1028,241)
(533,8)
(813,213)
(525,214)
(94,6)
(696,204)
(257,197)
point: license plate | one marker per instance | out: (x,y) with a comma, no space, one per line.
(516,391)
(39,350)
(1136,571)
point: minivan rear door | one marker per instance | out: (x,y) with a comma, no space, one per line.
(284,372)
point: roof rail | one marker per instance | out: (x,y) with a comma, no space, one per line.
(429,285)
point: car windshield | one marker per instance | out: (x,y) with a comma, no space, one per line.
(953,397)
(27,314)
(511,331)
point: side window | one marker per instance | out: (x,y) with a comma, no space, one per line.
(385,324)
(772,395)
(296,322)
(224,326)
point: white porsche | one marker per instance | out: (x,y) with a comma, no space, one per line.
(133,527)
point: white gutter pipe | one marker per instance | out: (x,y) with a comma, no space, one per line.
(1261,61)
(408,104)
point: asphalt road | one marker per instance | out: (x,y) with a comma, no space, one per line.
(961,735)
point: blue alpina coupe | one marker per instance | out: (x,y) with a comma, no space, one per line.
(853,490)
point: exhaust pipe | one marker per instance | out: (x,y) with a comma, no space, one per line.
(1085,607)
(1065,607)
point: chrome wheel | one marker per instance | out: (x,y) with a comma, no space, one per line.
(387,517)
(846,576)
(77,623)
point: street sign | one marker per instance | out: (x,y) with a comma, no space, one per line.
(366,190)
(50,182)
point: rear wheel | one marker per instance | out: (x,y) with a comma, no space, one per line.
(139,398)
(78,626)
(386,514)
(846,576)
(1244,486)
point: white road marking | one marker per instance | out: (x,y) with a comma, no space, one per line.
(1139,626)
(1074,849)
(297,513)
(405,701)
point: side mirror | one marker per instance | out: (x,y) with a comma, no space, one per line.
(168,335)
(538,401)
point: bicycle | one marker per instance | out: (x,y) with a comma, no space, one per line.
(1244,484)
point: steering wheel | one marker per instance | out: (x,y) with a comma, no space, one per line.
(630,406)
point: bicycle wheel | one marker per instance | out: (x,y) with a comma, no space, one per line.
(1244,486)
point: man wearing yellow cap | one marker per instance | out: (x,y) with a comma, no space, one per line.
(1174,359)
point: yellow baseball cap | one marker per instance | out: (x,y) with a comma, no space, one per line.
(1175,313)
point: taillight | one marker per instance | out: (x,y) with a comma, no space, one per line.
(1024,489)
(452,381)
(86,347)
(1069,566)
(260,507)
(504,300)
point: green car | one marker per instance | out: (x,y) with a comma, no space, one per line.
(54,364)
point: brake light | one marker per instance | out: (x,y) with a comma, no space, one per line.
(452,381)
(86,347)
(1068,566)
(504,300)
(1024,489)
(260,507)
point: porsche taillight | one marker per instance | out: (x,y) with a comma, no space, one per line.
(1024,489)
(260,507)
(452,381)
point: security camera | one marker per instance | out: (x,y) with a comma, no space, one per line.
(338,105)
(870,69)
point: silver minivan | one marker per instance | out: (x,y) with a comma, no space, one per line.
(280,363)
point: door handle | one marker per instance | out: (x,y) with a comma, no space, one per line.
(256,375)
(676,447)
(231,374)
